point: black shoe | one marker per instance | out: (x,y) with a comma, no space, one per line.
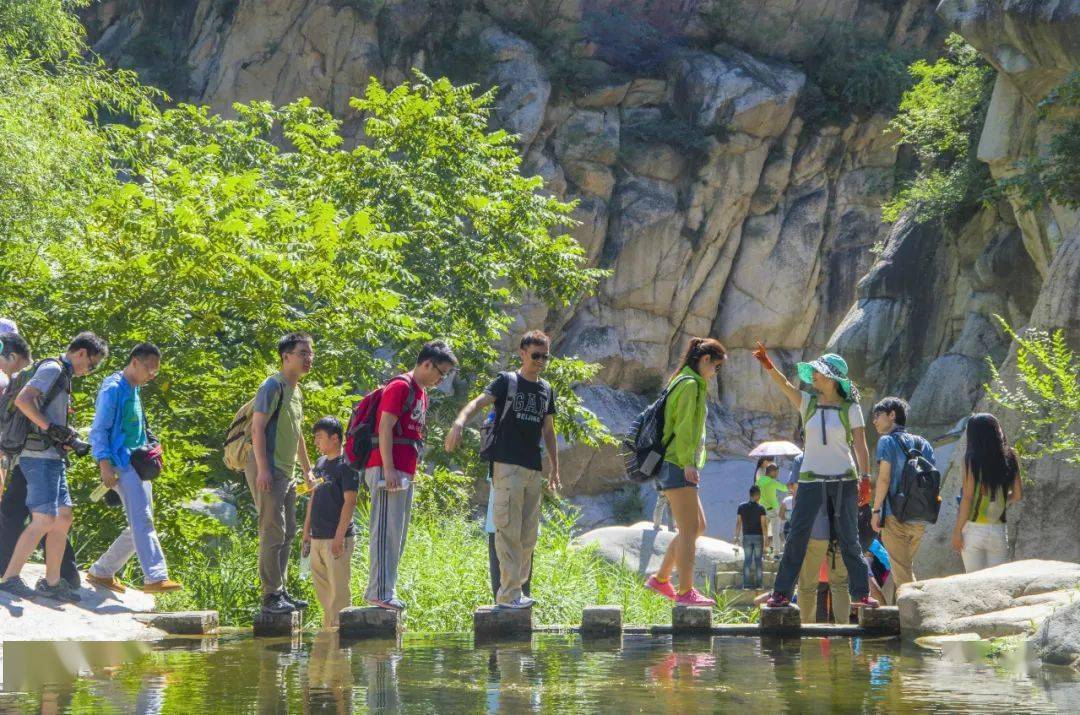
(60,592)
(18,588)
(297,603)
(275,603)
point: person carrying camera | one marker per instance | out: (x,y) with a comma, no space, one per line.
(120,440)
(45,401)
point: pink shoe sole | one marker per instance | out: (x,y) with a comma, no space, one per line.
(664,589)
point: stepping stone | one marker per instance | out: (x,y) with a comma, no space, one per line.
(492,622)
(785,620)
(691,619)
(183,623)
(883,620)
(267,625)
(601,620)
(369,622)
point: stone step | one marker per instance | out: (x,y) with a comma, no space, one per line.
(601,620)
(691,619)
(883,620)
(734,579)
(780,621)
(268,625)
(183,623)
(490,622)
(766,566)
(369,622)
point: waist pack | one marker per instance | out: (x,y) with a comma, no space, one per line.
(147,460)
(644,446)
(362,435)
(15,426)
(918,495)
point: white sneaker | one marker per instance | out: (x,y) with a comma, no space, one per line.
(520,602)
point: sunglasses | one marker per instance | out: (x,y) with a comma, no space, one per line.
(540,356)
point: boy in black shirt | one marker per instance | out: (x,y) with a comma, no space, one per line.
(328,527)
(524,412)
(751,523)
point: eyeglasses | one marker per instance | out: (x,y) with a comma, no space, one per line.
(95,363)
(540,356)
(442,375)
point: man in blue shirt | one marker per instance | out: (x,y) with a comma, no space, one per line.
(901,539)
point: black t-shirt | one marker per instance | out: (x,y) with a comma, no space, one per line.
(518,438)
(751,513)
(329,497)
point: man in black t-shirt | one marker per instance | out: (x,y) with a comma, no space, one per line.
(524,409)
(328,527)
(752,524)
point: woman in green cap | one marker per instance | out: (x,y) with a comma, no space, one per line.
(834,427)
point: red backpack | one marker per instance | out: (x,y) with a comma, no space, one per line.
(362,436)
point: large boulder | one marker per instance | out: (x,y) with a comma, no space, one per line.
(641,548)
(1058,638)
(1004,600)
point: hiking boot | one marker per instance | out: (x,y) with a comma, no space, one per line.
(163,586)
(519,603)
(778,600)
(112,583)
(394,604)
(866,602)
(274,603)
(693,597)
(18,588)
(298,603)
(60,592)
(664,588)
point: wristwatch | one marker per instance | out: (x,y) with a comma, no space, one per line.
(876,511)
(864,475)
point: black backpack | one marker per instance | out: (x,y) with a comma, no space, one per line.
(918,496)
(489,431)
(15,426)
(644,446)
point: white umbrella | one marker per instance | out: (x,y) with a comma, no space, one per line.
(777,448)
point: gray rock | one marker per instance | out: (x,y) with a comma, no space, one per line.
(601,620)
(210,502)
(1058,638)
(369,622)
(492,622)
(785,620)
(523,83)
(272,625)
(640,548)
(691,619)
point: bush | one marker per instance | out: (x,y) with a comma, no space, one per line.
(680,133)
(941,118)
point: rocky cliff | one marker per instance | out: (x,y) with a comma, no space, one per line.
(707,178)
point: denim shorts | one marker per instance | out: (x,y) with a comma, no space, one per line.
(671,476)
(46,485)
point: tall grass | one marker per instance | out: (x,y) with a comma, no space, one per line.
(443,577)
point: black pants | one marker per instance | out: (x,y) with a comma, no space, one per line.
(493,567)
(13,518)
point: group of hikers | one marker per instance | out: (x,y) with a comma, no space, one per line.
(820,518)
(381,447)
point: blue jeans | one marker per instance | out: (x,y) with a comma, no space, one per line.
(46,485)
(140,537)
(672,476)
(753,551)
(845,500)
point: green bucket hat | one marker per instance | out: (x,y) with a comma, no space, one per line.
(830,365)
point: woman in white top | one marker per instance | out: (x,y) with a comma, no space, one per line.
(834,427)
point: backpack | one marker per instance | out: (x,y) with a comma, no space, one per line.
(644,444)
(237,443)
(489,431)
(845,418)
(918,496)
(362,435)
(15,426)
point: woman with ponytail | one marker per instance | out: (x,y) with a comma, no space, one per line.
(684,435)
(834,427)
(991,483)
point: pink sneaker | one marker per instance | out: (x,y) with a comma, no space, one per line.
(865,602)
(693,598)
(664,588)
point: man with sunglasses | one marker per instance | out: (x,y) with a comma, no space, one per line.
(402,422)
(524,412)
(46,402)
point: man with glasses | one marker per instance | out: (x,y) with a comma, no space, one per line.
(118,432)
(524,411)
(389,473)
(45,401)
(277,446)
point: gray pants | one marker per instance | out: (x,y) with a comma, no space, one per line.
(277,526)
(390,514)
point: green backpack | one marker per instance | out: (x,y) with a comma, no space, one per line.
(845,418)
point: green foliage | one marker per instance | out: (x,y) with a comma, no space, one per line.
(855,74)
(1051,175)
(46,29)
(1045,396)
(446,553)
(941,118)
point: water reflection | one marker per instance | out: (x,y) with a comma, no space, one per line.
(550,673)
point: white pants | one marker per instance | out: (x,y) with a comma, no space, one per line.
(985,545)
(776,526)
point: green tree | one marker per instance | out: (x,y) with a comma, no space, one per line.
(941,118)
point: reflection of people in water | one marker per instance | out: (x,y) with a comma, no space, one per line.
(329,683)
(379,661)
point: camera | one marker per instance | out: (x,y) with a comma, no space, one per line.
(79,447)
(64,436)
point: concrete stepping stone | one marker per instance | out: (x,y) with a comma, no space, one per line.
(691,619)
(601,620)
(491,622)
(369,622)
(268,625)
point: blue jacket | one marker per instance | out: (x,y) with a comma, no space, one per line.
(107,434)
